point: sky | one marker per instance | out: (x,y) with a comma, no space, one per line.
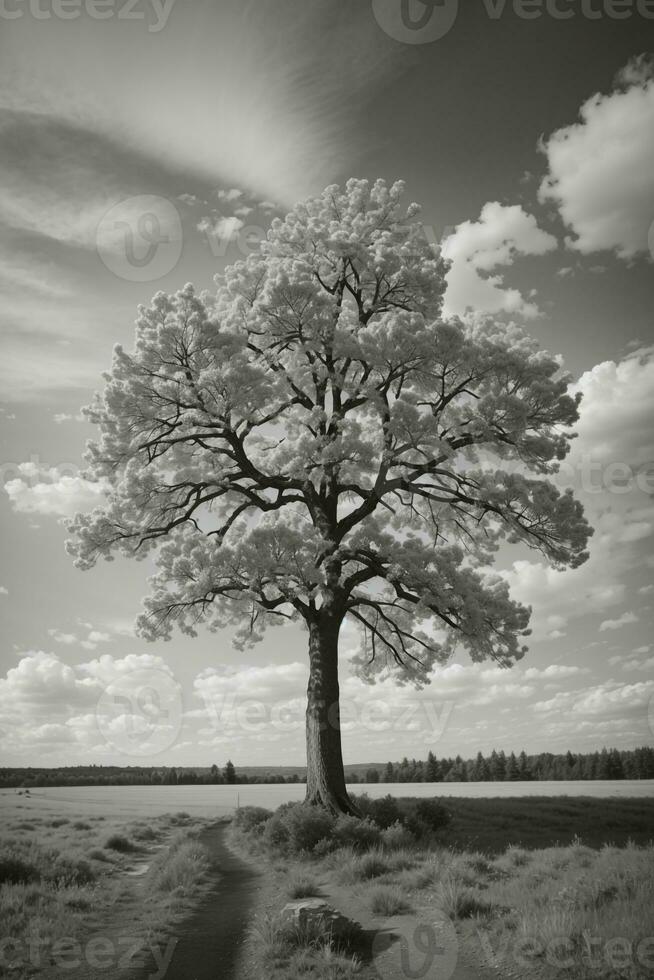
(146,145)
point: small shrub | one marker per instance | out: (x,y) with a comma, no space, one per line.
(68,870)
(361,835)
(121,844)
(97,854)
(296,827)
(59,822)
(325,846)
(81,825)
(15,870)
(144,833)
(180,866)
(433,814)
(374,864)
(179,819)
(302,886)
(397,836)
(480,864)
(383,812)
(78,899)
(251,819)
(517,856)
(387,900)
(458,901)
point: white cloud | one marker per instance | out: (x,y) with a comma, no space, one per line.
(646,590)
(477,248)
(51,491)
(4,590)
(633,663)
(233,194)
(256,96)
(616,412)
(18,273)
(256,704)
(611,697)
(60,417)
(600,169)
(615,624)
(610,469)
(46,704)
(60,637)
(222,228)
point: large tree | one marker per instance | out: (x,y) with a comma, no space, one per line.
(314,442)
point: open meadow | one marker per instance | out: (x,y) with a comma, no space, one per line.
(558,887)
(458,889)
(80,896)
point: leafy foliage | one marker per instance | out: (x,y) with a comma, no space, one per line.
(314,434)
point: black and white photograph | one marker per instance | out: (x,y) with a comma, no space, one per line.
(327,489)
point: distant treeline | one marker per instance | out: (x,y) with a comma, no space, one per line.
(496,767)
(499,767)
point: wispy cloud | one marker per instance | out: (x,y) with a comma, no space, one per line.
(256,96)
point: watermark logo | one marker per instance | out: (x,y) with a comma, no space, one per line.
(592,955)
(140,238)
(140,713)
(424,21)
(416,21)
(29,953)
(153,12)
(232,715)
(417,949)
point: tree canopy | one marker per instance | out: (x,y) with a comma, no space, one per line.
(314,435)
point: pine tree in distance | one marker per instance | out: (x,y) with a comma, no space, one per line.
(314,443)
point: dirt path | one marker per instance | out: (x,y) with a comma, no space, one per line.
(422,943)
(211,939)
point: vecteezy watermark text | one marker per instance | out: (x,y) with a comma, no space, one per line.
(154,12)
(425,21)
(98,952)
(562,953)
(231,713)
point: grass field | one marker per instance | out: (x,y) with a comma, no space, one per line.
(538,888)
(535,887)
(540,821)
(80,897)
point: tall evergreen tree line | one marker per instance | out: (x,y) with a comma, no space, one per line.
(499,767)
(495,767)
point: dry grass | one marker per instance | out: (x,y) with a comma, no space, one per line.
(56,874)
(301,885)
(287,952)
(388,900)
(572,912)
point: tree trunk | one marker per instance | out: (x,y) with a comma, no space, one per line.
(325,776)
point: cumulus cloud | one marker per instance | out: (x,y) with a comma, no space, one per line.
(222,227)
(52,705)
(632,663)
(616,411)
(478,248)
(260,704)
(600,169)
(610,470)
(615,624)
(611,697)
(52,491)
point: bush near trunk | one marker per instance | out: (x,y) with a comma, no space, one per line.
(298,827)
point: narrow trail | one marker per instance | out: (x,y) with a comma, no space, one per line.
(212,938)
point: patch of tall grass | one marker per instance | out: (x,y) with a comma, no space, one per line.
(180,868)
